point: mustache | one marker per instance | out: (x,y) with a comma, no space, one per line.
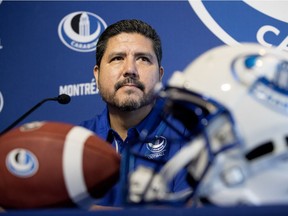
(135,82)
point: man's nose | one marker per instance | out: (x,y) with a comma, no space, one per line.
(130,68)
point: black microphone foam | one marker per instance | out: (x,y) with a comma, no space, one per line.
(62,99)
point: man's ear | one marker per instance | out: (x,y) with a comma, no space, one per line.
(161,73)
(96,73)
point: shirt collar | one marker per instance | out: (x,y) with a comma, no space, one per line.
(152,120)
(147,125)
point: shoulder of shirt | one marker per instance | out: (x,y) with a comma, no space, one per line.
(97,122)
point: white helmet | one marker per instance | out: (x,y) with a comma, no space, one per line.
(251,82)
(234,101)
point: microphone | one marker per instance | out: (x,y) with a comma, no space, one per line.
(62,99)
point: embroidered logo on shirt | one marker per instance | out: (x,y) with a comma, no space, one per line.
(156,147)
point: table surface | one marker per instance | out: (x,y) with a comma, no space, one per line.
(279,210)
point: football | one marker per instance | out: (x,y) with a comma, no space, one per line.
(53,164)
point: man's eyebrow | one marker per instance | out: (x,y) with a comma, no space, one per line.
(146,54)
(116,54)
(137,54)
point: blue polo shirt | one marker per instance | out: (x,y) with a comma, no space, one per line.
(152,143)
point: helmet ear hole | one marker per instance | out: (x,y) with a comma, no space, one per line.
(259,151)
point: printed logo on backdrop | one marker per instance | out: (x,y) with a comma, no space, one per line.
(1,46)
(1,102)
(80,30)
(233,22)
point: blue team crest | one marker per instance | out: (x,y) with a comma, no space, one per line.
(264,22)
(156,147)
(80,30)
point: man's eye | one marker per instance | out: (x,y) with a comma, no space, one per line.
(117,58)
(145,59)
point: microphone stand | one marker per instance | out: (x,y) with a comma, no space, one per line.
(60,99)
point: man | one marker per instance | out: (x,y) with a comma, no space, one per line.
(128,68)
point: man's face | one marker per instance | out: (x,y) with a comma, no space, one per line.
(128,72)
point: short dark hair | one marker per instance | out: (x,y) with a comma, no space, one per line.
(128,26)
